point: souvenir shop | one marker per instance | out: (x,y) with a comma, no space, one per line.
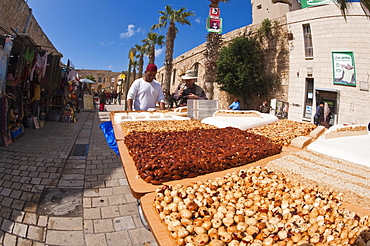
(33,86)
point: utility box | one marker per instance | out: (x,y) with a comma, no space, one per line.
(200,109)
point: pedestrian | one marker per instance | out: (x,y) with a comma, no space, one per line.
(265,107)
(109,97)
(188,89)
(145,92)
(114,96)
(102,100)
(235,105)
(319,115)
(327,116)
(35,101)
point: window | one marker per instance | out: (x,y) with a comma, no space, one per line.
(100,79)
(309,98)
(174,77)
(307,40)
(196,69)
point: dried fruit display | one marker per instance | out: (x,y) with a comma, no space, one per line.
(165,126)
(284,131)
(163,156)
(258,207)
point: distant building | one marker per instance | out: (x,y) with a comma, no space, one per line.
(105,79)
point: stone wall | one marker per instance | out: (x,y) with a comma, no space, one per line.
(14,17)
(277,62)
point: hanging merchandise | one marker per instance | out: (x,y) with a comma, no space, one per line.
(28,55)
(40,66)
(5,136)
(4,60)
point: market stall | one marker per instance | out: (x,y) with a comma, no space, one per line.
(238,184)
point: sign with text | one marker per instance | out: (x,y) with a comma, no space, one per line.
(313,3)
(344,68)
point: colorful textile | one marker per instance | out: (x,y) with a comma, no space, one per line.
(40,66)
(29,55)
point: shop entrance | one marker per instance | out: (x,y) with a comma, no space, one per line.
(329,96)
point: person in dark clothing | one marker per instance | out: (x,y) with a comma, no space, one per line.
(265,107)
(319,115)
(188,89)
(102,100)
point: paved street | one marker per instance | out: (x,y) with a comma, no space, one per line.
(63,185)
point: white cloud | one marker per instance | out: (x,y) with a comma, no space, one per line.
(130,31)
(198,20)
(106,44)
(158,52)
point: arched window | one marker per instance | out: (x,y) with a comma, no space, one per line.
(196,69)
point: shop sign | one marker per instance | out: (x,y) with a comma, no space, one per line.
(344,72)
(313,3)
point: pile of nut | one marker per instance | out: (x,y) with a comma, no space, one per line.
(163,126)
(258,207)
(163,156)
(284,131)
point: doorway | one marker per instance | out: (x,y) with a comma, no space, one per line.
(331,97)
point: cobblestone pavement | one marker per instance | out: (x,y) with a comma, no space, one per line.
(62,185)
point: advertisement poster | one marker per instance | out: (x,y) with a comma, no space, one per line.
(214,25)
(344,72)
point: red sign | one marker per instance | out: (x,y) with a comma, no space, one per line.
(214,12)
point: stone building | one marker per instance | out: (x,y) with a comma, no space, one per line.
(105,79)
(319,35)
(319,41)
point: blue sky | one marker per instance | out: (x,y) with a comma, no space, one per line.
(98,34)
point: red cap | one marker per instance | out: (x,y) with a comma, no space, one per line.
(151,67)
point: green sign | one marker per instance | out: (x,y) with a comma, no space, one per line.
(312,3)
(344,72)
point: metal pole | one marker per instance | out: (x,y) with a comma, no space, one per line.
(131,55)
(127,83)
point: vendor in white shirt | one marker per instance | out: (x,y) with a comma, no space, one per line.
(145,92)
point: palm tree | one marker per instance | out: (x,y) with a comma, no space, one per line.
(168,19)
(142,51)
(135,64)
(151,41)
(343,5)
(213,44)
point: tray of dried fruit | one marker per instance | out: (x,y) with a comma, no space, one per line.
(253,206)
(155,153)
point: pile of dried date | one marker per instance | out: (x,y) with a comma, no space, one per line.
(163,156)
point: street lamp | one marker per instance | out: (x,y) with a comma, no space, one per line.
(119,83)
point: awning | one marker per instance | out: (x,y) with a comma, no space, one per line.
(326,89)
